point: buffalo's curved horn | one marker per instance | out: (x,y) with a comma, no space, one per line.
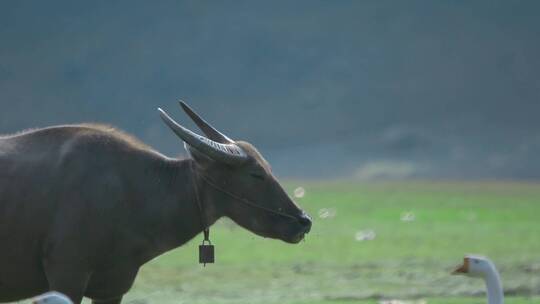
(208,130)
(228,153)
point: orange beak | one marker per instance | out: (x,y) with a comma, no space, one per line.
(461,269)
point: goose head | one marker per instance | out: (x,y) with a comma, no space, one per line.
(475,266)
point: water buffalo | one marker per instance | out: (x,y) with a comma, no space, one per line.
(82,207)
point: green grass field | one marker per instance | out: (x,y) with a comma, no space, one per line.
(419,231)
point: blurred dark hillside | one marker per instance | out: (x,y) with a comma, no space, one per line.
(370,89)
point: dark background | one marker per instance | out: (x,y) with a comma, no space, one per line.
(326,89)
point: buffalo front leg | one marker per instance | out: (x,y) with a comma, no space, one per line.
(109,301)
(67,269)
(108,286)
(67,280)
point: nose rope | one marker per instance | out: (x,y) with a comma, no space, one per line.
(245,200)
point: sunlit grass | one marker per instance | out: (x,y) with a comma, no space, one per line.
(405,260)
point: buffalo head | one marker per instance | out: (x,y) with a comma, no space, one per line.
(239,182)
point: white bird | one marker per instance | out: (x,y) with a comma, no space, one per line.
(52,297)
(482,267)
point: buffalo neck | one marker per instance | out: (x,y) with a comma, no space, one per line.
(169,215)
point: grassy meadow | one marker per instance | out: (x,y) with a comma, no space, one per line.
(370,243)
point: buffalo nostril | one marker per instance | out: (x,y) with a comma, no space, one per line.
(305,221)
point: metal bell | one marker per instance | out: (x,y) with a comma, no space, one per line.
(206,253)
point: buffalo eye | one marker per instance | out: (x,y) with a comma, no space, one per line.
(257,176)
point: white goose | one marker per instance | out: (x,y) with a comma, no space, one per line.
(482,267)
(52,297)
